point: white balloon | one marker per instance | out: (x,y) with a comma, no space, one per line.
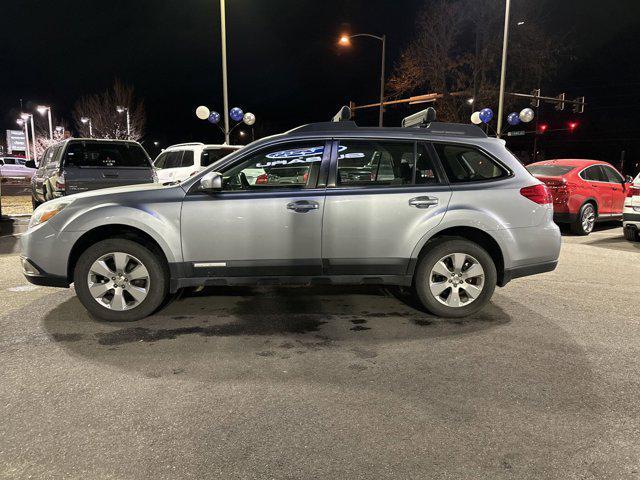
(249,118)
(526,115)
(202,112)
(475,118)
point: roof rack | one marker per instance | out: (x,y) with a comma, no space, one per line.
(343,115)
(421,119)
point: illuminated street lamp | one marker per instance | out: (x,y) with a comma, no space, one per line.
(345,41)
(86,120)
(120,109)
(42,109)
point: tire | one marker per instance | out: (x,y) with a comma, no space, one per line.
(447,252)
(630,234)
(587,217)
(120,294)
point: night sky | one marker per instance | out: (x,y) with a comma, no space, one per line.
(284,64)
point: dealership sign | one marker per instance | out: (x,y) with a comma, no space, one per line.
(16,141)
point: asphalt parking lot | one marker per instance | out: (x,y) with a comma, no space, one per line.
(331,383)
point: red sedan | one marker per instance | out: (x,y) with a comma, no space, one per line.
(584,191)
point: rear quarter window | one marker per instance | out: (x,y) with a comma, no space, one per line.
(467,164)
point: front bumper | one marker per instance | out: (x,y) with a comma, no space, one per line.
(36,275)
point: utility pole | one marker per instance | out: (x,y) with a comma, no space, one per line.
(225,93)
(503,68)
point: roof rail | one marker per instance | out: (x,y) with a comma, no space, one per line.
(185,144)
(454,129)
(324,126)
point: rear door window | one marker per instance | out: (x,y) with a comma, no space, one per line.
(187,158)
(212,155)
(106,155)
(594,173)
(375,163)
(466,164)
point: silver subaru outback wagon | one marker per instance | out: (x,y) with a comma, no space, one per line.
(440,208)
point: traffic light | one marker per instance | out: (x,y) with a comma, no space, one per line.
(579,107)
(542,128)
(560,104)
(572,126)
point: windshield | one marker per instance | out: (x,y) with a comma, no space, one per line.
(549,170)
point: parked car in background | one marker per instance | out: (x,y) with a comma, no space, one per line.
(584,191)
(16,170)
(452,215)
(78,165)
(631,212)
(178,162)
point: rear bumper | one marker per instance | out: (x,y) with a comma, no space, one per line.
(526,270)
(564,217)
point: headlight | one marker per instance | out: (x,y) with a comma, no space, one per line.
(48,210)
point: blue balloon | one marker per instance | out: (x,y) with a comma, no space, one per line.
(513,118)
(486,114)
(214,117)
(236,114)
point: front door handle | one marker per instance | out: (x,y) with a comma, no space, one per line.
(423,202)
(302,206)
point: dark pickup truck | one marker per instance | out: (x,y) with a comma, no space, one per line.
(77,165)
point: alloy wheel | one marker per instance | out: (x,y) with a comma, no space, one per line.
(588,218)
(118,281)
(456,280)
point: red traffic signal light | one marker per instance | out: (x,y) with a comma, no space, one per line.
(542,128)
(573,126)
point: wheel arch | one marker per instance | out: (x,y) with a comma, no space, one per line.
(473,234)
(111,231)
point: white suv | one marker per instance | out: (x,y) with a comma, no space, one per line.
(179,162)
(631,212)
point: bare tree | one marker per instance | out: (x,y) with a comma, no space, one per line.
(457,50)
(106,121)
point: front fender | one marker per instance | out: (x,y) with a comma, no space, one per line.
(161,222)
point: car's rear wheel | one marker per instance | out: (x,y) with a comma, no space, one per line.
(455,278)
(631,234)
(586,220)
(120,280)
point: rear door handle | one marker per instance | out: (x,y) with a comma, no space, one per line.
(423,202)
(302,206)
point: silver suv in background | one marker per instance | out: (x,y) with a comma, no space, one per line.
(178,162)
(440,208)
(82,164)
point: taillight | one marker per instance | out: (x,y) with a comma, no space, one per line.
(262,179)
(60,185)
(305,177)
(633,191)
(537,193)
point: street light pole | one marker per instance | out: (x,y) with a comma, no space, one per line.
(225,94)
(120,109)
(345,40)
(23,124)
(33,136)
(42,109)
(503,69)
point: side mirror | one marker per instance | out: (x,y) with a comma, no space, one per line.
(628,179)
(30,164)
(211,181)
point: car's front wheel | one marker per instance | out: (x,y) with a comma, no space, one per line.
(120,280)
(455,278)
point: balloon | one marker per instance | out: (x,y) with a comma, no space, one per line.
(513,118)
(236,114)
(475,118)
(202,112)
(526,115)
(214,117)
(249,118)
(486,114)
